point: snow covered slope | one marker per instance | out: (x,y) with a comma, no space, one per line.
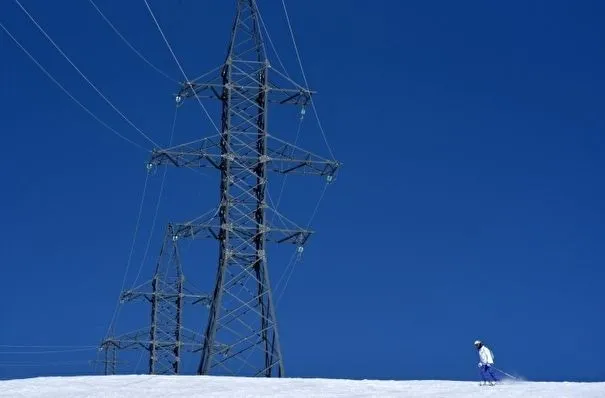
(196,386)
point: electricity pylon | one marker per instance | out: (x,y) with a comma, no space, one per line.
(166,337)
(241,335)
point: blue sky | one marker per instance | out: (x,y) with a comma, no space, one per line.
(470,204)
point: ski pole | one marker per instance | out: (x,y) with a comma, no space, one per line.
(507,374)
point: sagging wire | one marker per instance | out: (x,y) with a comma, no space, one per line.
(33,20)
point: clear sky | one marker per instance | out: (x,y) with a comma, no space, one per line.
(470,204)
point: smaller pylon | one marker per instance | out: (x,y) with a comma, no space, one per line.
(110,360)
(166,336)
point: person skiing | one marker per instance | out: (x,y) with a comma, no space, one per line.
(486,360)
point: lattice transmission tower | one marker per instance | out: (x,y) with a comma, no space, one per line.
(166,337)
(241,335)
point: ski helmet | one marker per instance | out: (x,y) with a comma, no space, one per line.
(478,342)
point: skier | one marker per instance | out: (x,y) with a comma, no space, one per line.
(486,360)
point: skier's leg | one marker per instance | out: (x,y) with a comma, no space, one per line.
(491,373)
(482,371)
(488,369)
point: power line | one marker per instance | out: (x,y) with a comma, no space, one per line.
(295,259)
(130,45)
(42,364)
(47,73)
(47,351)
(117,309)
(260,17)
(157,207)
(157,24)
(84,76)
(296,256)
(44,346)
(134,238)
(323,133)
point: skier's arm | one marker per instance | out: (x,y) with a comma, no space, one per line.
(483,356)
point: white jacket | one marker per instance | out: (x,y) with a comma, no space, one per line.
(485,356)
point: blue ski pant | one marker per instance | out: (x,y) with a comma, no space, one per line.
(485,371)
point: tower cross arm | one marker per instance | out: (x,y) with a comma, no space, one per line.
(281,157)
(131,295)
(296,95)
(141,338)
(213,230)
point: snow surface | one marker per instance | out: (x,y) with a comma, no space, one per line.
(139,386)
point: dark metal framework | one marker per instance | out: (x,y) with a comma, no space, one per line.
(167,294)
(241,334)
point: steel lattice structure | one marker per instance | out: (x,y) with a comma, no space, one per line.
(241,335)
(167,294)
